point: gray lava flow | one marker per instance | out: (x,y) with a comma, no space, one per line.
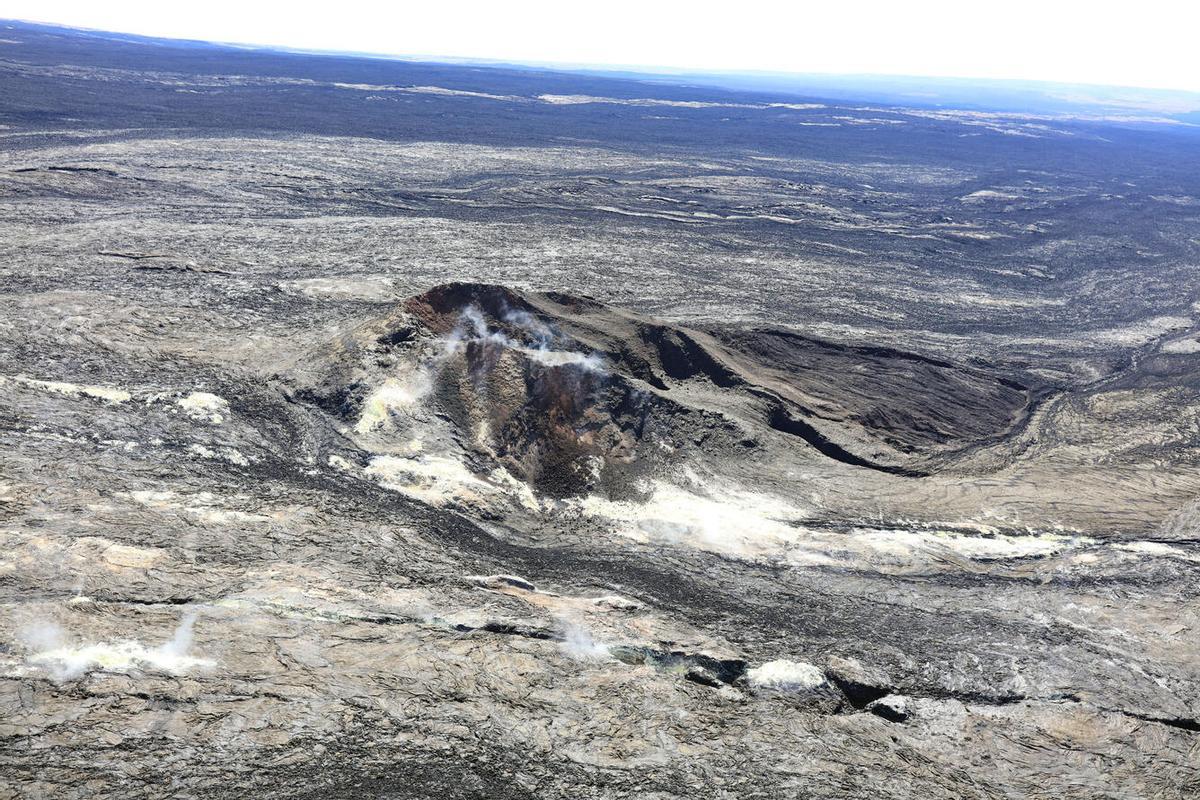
(382,429)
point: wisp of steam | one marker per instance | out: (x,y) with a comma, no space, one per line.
(473,327)
(50,648)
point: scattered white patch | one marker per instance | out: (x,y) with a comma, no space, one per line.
(1003,302)
(582,99)
(518,489)
(1184,346)
(907,545)
(988,194)
(202,451)
(892,706)
(435,480)
(758,526)
(123,556)
(341,464)
(981,236)
(1141,332)
(735,523)
(151,498)
(437,90)
(223,516)
(204,506)
(868,120)
(615,601)
(105,393)
(204,407)
(785,675)
(1158,549)
(229,454)
(393,395)
(676,216)
(483,433)
(1175,199)
(377,288)
(65,662)
(501,582)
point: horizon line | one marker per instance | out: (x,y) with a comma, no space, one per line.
(649,70)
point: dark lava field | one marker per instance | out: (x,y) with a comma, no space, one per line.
(382,429)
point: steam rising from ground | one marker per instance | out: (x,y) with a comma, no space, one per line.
(579,644)
(52,650)
(561,358)
(472,327)
(724,519)
(443,478)
(406,392)
(690,510)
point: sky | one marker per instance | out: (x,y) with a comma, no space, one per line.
(1148,43)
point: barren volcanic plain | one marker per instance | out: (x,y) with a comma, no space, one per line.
(386,429)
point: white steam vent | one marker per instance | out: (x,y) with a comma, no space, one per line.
(65,661)
(579,644)
(472,327)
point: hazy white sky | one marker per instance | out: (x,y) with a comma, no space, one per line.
(1149,43)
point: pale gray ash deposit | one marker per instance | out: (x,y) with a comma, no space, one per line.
(373,429)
